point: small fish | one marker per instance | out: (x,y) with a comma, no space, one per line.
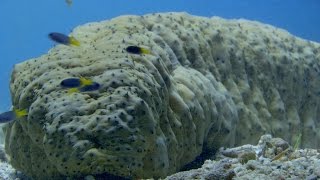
(63,39)
(69,2)
(278,156)
(12,115)
(93,87)
(137,50)
(75,82)
(79,85)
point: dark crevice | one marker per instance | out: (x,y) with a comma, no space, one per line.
(199,160)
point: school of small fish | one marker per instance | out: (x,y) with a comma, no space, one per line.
(73,84)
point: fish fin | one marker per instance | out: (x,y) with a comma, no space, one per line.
(145,51)
(21,112)
(85,82)
(74,41)
(73,90)
(297,143)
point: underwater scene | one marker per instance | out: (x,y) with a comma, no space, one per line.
(197,89)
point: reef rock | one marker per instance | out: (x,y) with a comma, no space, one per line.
(257,162)
(208,82)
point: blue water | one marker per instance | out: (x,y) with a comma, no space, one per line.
(25,24)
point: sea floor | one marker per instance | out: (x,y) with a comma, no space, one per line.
(271,158)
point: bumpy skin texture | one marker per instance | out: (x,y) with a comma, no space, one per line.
(209,82)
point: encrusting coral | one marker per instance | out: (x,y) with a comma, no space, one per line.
(207,83)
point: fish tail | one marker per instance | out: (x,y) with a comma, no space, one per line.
(145,51)
(73,90)
(74,41)
(85,82)
(20,112)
